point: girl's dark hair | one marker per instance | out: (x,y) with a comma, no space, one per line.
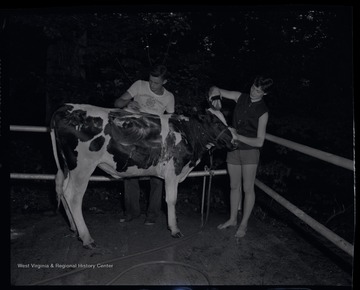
(159,71)
(264,82)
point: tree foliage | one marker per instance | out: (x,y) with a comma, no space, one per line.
(93,56)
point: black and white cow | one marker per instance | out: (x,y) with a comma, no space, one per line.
(123,144)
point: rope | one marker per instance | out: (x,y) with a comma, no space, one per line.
(211,173)
(203,198)
(159,262)
(121,258)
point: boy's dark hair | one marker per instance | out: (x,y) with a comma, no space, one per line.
(264,82)
(159,71)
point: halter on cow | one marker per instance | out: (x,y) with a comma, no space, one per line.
(125,144)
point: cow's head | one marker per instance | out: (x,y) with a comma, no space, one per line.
(222,135)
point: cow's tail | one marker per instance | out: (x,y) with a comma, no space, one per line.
(59,178)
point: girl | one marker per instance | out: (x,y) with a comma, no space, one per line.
(250,119)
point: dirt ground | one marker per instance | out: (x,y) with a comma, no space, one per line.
(44,252)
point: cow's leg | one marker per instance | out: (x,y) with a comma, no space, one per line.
(171,187)
(68,214)
(60,189)
(73,195)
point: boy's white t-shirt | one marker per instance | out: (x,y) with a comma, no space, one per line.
(149,101)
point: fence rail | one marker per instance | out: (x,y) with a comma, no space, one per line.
(328,157)
(105,178)
(325,156)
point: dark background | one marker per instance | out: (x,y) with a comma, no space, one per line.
(92,54)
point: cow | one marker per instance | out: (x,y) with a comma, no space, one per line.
(123,144)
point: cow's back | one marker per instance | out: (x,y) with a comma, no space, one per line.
(115,137)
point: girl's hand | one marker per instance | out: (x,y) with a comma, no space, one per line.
(214,98)
(213,91)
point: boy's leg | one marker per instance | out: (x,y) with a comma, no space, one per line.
(155,200)
(131,198)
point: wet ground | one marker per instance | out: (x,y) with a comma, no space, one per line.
(44,252)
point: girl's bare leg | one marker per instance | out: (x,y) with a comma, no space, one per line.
(249,174)
(235,195)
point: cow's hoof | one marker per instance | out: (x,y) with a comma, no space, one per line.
(90,246)
(177,235)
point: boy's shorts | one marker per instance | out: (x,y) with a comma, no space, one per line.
(242,157)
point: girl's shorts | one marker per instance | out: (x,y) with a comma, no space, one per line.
(242,157)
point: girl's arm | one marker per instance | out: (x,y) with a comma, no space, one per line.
(259,140)
(232,95)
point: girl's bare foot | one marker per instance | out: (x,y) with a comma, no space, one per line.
(241,232)
(227,224)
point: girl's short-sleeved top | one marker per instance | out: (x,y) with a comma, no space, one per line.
(246,118)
